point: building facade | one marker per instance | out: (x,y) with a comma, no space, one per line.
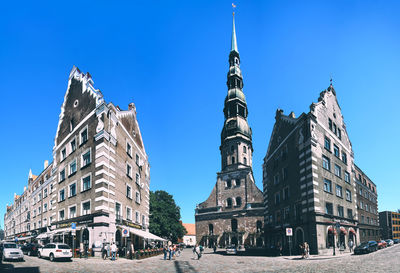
(233,212)
(189,238)
(98,181)
(367,206)
(307,179)
(389,223)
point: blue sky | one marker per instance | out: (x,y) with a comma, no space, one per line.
(171,58)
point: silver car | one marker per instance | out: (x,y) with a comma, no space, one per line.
(10,251)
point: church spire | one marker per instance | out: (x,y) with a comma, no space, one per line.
(233,42)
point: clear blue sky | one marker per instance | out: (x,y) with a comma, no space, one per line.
(171,58)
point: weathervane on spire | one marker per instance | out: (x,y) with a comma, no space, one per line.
(330,79)
(233,8)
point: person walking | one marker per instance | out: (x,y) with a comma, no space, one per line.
(165,250)
(170,252)
(113,251)
(306,250)
(198,252)
(351,244)
(215,248)
(194,252)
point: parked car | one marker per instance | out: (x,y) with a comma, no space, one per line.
(389,242)
(366,247)
(231,249)
(10,251)
(382,244)
(30,249)
(55,251)
(396,241)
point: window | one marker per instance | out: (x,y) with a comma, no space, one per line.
(72,212)
(72,167)
(45,193)
(360,191)
(276,179)
(137,198)
(128,213)
(137,179)
(361,205)
(234,225)
(284,173)
(347,177)
(62,175)
(330,124)
(137,159)
(334,129)
(328,208)
(40,196)
(128,170)
(244,149)
(336,150)
(228,184)
(45,207)
(63,154)
(340,211)
(327,185)
(229,202)
(233,160)
(339,133)
(344,157)
(278,216)
(86,207)
(277,198)
(338,170)
(61,215)
(84,136)
(117,211)
(238,201)
(348,195)
(244,161)
(86,183)
(143,220)
(85,160)
(73,145)
(72,190)
(39,210)
(128,149)
(339,192)
(327,144)
(326,163)
(61,195)
(129,191)
(362,218)
(237,182)
(286,193)
(350,213)
(366,207)
(137,217)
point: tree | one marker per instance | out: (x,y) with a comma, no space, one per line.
(165,216)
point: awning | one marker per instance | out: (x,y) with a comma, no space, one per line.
(65,230)
(44,235)
(332,230)
(343,230)
(145,234)
(351,230)
(24,238)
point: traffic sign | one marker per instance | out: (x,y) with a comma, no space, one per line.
(73,226)
(289,232)
(125,232)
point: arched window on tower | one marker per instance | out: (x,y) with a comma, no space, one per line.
(229,202)
(259,226)
(233,160)
(245,161)
(244,149)
(210,229)
(238,201)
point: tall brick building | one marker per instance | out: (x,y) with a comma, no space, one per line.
(99,178)
(307,178)
(389,222)
(233,213)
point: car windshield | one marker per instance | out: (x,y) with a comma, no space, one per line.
(363,244)
(10,246)
(63,246)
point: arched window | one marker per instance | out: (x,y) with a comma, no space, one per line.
(229,202)
(238,201)
(233,160)
(234,225)
(259,226)
(210,229)
(228,183)
(245,161)
(244,149)
(237,182)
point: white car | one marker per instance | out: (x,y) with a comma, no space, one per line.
(55,251)
(10,251)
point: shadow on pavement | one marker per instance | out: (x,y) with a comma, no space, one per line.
(183,266)
(11,268)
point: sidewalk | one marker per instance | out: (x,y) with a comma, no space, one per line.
(325,256)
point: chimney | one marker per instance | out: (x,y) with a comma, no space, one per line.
(46,164)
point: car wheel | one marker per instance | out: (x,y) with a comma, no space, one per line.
(29,253)
(38,254)
(51,257)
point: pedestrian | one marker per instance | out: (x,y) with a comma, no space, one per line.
(113,251)
(215,248)
(198,252)
(302,250)
(351,244)
(170,252)
(80,250)
(165,250)
(306,250)
(194,252)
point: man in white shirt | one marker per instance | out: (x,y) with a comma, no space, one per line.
(113,251)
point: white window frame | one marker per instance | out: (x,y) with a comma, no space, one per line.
(130,170)
(91,182)
(47,207)
(45,190)
(137,179)
(59,175)
(70,145)
(128,217)
(76,166)
(82,161)
(61,154)
(80,134)
(129,152)
(69,211)
(140,198)
(69,189)
(65,196)
(126,194)
(137,219)
(85,201)
(58,214)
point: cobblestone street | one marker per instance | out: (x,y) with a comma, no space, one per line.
(386,260)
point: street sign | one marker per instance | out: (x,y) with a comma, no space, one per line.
(125,232)
(289,232)
(73,225)
(73,232)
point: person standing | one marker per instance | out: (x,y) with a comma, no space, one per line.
(198,252)
(165,250)
(170,252)
(306,250)
(113,251)
(351,244)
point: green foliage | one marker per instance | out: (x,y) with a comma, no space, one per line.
(165,216)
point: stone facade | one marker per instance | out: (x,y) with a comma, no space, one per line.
(307,179)
(367,206)
(99,178)
(233,212)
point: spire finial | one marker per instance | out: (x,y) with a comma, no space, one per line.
(330,80)
(233,43)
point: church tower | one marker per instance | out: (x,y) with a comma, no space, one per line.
(233,213)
